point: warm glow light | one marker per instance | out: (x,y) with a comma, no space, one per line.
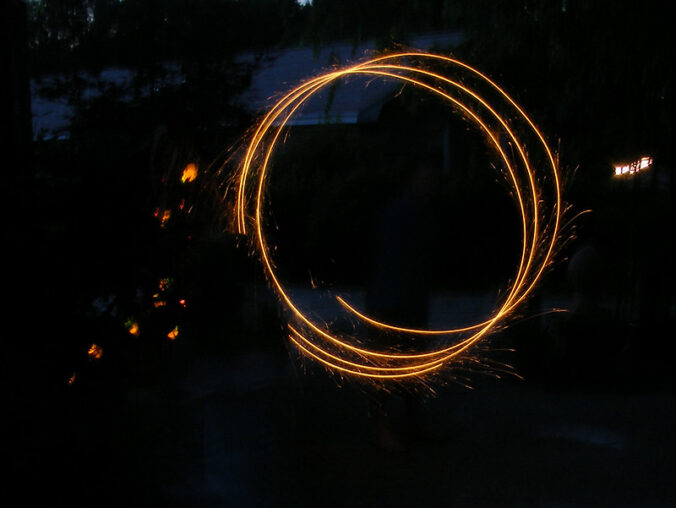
(173,334)
(95,352)
(166,215)
(635,167)
(72,378)
(189,173)
(132,327)
(346,353)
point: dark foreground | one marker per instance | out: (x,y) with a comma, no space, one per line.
(256,430)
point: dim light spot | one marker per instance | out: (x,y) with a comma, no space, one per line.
(133,329)
(71,379)
(166,215)
(95,352)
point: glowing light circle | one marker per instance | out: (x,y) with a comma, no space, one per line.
(469,93)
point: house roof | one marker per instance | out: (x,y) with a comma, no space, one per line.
(350,101)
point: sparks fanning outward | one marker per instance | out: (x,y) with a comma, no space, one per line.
(528,161)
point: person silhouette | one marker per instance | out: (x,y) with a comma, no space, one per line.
(398,292)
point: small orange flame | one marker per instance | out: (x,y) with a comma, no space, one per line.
(95,352)
(189,173)
(166,215)
(173,334)
(134,329)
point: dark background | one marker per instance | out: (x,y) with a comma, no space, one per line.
(227,414)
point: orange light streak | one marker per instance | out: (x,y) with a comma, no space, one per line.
(265,253)
(339,352)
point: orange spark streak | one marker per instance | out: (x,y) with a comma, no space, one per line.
(282,293)
(338,352)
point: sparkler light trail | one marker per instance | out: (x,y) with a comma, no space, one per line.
(527,161)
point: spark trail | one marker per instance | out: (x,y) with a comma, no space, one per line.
(527,160)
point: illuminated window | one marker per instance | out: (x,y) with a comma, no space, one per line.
(635,167)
